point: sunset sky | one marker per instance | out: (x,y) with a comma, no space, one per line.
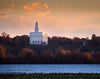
(68,18)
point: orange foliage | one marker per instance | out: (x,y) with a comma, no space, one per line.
(2,51)
(76,51)
(60,51)
(92,52)
(26,51)
(48,52)
(88,55)
(69,52)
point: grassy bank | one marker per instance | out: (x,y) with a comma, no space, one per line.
(51,76)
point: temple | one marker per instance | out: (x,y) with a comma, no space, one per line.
(38,38)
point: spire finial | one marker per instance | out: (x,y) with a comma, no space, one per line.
(36,26)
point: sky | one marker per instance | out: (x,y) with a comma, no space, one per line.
(65,18)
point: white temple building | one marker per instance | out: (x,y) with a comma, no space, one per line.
(38,38)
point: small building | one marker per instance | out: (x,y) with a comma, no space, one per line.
(38,38)
(84,43)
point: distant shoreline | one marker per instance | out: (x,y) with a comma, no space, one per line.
(50,75)
(47,63)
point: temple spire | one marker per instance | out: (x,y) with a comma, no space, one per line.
(36,27)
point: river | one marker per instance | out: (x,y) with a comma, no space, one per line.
(50,68)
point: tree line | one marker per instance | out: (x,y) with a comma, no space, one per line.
(60,50)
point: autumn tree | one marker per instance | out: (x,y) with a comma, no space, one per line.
(60,56)
(2,51)
(96,57)
(47,56)
(27,55)
(60,51)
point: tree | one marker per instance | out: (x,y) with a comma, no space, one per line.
(60,51)
(96,57)
(21,40)
(27,55)
(47,56)
(95,40)
(93,36)
(25,52)
(2,51)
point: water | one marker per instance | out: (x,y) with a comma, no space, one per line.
(50,68)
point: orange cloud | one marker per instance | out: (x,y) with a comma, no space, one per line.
(45,5)
(43,13)
(3,17)
(12,5)
(36,4)
(29,13)
(6,16)
(27,7)
(4,13)
(30,8)
(21,17)
(6,9)
(79,25)
(10,9)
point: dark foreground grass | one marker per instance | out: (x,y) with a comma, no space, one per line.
(51,76)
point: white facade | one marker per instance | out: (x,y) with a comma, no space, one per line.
(38,38)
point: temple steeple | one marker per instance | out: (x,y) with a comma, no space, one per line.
(38,38)
(36,27)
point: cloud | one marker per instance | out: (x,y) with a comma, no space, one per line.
(6,9)
(4,13)
(83,24)
(12,5)
(21,17)
(1,8)
(39,5)
(29,13)
(30,8)
(35,5)
(3,17)
(27,6)
(6,16)
(45,5)
(43,13)
(10,9)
